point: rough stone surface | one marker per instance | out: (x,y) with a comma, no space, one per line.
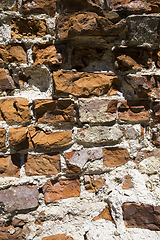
(24,28)
(44,164)
(61,189)
(86,24)
(49,140)
(14,110)
(143,216)
(10,165)
(134,110)
(39,7)
(19,198)
(97,110)
(58,237)
(114,157)
(105,214)
(54,111)
(83,84)
(46,54)
(6,81)
(76,160)
(8,231)
(2,139)
(8,5)
(18,138)
(99,134)
(12,53)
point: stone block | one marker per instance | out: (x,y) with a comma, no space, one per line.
(115,157)
(61,189)
(12,53)
(87,24)
(42,164)
(6,81)
(134,111)
(83,83)
(18,138)
(46,54)
(19,198)
(144,216)
(14,110)
(28,28)
(2,139)
(54,111)
(10,165)
(97,110)
(99,134)
(39,7)
(58,237)
(76,160)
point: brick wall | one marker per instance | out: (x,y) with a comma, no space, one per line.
(79,119)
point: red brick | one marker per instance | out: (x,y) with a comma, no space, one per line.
(10,165)
(61,189)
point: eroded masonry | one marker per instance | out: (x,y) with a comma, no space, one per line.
(79,119)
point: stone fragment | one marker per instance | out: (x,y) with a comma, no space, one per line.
(17,222)
(14,110)
(150,165)
(39,7)
(93,183)
(58,237)
(46,54)
(132,58)
(143,216)
(61,189)
(54,111)
(156,138)
(8,231)
(6,81)
(156,112)
(134,111)
(99,134)
(12,53)
(105,214)
(8,5)
(42,164)
(2,139)
(97,110)
(127,183)
(49,140)
(76,160)
(18,138)
(28,28)
(115,157)
(10,165)
(143,28)
(19,198)
(83,83)
(82,56)
(86,24)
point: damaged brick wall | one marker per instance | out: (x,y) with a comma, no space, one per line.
(79,119)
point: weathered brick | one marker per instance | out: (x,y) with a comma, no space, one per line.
(19,198)
(2,139)
(105,214)
(28,28)
(58,237)
(6,81)
(134,111)
(61,189)
(14,110)
(99,134)
(156,112)
(93,183)
(10,5)
(86,24)
(47,140)
(127,183)
(46,54)
(97,110)
(83,83)
(12,53)
(8,231)
(54,111)
(76,160)
(18,138)
(39,6)
(42,164)
(114,156)
(143,216)
(82,56)
(10,165)
(143,28)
